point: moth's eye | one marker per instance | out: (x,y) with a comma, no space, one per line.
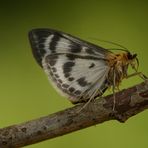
(130,56)
(134,55)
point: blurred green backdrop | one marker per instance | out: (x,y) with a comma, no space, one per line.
(25,91)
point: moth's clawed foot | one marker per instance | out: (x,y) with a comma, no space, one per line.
(144,77)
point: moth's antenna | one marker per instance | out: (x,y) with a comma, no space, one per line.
(118,49)
(111,43)
(137,63)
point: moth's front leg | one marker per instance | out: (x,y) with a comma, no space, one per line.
(140,74)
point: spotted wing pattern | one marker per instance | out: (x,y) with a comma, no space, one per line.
(75,67)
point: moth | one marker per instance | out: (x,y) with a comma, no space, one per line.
(79,69)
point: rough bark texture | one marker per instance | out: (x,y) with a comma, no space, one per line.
(128,103)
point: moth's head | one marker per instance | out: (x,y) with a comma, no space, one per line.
(133,60)
(131,56)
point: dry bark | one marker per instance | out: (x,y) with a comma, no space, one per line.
(129,102)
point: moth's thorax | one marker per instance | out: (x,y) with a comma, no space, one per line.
(118,64)
(115,60)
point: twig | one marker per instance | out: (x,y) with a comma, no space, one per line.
(128,103)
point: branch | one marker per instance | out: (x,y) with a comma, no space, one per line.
(129,102)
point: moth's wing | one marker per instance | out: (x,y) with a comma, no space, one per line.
(50,41)
(79,77)
(74,66)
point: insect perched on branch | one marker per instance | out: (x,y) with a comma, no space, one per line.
(77,68)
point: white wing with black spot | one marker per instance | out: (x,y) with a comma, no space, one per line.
(77,68)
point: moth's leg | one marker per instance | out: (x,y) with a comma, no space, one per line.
(113,89)
(140,74)
(89,100)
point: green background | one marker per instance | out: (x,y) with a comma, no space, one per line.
(25,92)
